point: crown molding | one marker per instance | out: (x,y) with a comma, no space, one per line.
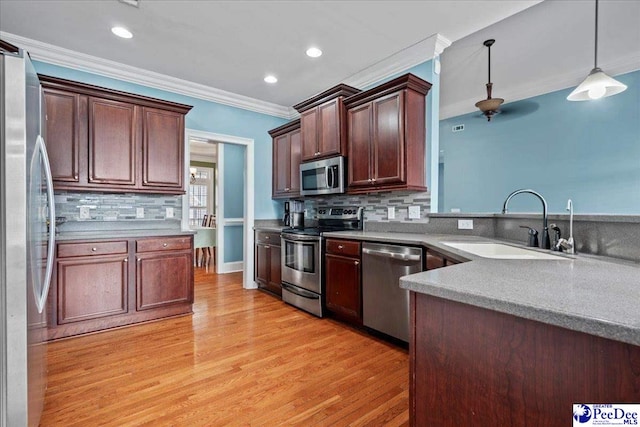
(79,61)
(413,55)
(618,66)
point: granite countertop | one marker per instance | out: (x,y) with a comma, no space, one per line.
(123,234)
(591,294)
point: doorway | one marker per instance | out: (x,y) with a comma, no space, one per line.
(229,225)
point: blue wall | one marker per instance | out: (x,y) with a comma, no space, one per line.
(205,116)
(234,174)
(586,151)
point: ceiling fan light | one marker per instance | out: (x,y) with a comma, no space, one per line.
(597,85)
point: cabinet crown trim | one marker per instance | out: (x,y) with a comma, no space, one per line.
(329,94)
(285,128)
(406,81)
(116,95)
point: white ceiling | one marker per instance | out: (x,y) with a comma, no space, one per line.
(231,45)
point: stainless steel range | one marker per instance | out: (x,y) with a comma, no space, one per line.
(302,249)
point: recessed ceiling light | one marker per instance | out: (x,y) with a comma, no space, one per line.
(314,52)
(270,79)
(122,32)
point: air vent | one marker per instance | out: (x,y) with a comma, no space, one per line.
(134,3)
(457,128)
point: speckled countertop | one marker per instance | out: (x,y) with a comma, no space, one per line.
(595,295)
(120,234)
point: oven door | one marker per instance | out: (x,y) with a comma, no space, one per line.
(300,261)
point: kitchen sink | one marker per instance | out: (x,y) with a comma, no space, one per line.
(501,251)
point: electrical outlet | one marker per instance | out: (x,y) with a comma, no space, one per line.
(465,224)
(169,212)
(85,212)
(139,213)
(391,212)
(414,212)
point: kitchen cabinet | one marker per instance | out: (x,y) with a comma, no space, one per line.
(104,283)
(474,366)
(435,260)
(386,136)
(106,140)
(343,279)
(286,160)
(268,262)
(323,125)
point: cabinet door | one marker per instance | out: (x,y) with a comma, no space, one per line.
(91,287)
(388,140)
(309,129)
(281,165)
(112,145)
(263,264)
(275,277)
(162,148)
(343,286)
(359,142)
(163,279)
(295,160)
(62,137)
(329,128)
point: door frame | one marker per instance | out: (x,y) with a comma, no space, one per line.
(249,198)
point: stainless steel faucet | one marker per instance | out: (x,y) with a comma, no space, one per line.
(568,244)
(546,243)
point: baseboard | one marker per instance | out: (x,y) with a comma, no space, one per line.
(230,267)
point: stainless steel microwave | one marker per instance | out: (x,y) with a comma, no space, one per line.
(322,177)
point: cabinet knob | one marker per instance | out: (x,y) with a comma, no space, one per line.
(369,180)
(287,189)
(267,246)
(356,262)
(340,247)
(164,245)
(139,259)
(126,260)
(94,249)
(374,180)
(267,237)
(75,177)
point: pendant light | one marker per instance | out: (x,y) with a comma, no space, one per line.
(597,84)
(489,106)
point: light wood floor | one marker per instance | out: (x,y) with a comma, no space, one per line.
(243,358)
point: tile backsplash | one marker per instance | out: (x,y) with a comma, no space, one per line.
(88,207)
(375,205)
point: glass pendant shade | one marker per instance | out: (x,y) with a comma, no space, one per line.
(597,85)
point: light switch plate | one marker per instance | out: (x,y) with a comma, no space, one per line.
(85,212)
(139,213)
(414,212)
(465,224)
(169,212)
(391,212)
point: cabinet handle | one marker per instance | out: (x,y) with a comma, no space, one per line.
(94,249)
(164,245)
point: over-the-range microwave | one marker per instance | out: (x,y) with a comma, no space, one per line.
(325,176)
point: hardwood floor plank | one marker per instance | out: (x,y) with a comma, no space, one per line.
(242,358)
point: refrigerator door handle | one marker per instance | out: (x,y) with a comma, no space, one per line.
(42,298)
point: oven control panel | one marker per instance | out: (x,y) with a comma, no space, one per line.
(343,212)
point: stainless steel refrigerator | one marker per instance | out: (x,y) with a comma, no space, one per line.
(27,233)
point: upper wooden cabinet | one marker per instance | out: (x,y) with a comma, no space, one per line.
(386,136)
(105,140)
(323,123)
(286,160)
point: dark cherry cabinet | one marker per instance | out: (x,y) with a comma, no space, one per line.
(435,260)
(109,283)
(343,279)
(106,140)
(63,134)
(268,262)
(286,160)
(322,120)
(386,136)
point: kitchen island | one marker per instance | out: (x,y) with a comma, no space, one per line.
(518,342)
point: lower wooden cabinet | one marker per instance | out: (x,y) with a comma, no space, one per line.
(108,283)
(343,285)
(267,262)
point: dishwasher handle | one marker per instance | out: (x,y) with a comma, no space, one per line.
(387,254)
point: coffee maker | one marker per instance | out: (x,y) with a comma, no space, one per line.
(293,214)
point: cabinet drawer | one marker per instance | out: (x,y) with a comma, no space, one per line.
(163,244)
(268,237)
(91,248)
(343,247)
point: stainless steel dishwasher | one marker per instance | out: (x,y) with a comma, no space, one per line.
(385,307)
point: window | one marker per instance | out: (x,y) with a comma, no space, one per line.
(201,195)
